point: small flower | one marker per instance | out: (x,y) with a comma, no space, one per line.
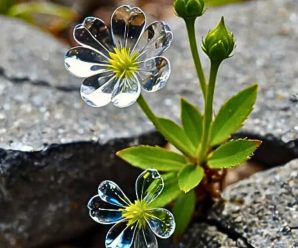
(135,223)
(117,61)
(219,42)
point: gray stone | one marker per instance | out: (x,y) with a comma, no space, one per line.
(261,211)
(55,149)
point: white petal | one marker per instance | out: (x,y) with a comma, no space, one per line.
(99,31)
(145,238)
(97,91)
(102,212)
(111,193)
(126,92)
(149,185)
(127,26)
(120,236)
(154,73)
(162,222)
(156,38)
(83,36)
(84,62)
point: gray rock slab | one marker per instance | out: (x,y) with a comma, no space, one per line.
(261,211)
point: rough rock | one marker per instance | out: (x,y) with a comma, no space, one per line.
(55,149)
(261,211)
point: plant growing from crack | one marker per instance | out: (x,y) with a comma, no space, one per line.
(119,62)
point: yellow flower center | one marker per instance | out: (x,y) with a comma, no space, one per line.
(123,63)
(137,212)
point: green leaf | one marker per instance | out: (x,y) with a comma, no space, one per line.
(176,135)
(189,177)
(232,115)
(154,157)
(183,211)
(232,153)
(170,192)
(192,122)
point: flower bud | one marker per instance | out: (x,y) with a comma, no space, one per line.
(189,8)
(219,42)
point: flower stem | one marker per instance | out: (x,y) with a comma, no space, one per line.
(207,120)
(190,25)
(147,110)
(163,130)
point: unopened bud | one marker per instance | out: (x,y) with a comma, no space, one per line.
(219,43)
(189,8)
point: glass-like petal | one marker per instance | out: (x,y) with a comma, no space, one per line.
(99,31)
(120,236)
(162,222)
(149,185)
(83,36)
(103,213)
(126,92)
(145,238)
(156,38)
(154,73)
(84,62)
(111,193)
(127,25)
(97,91)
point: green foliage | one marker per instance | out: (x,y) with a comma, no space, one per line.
(192,122)
(176,135)
(232,114)
(171,191)
(146,157)
(232,153)
(5,5)
(221,2)
(189,177)
(183,211)
(32,12)
(199,133)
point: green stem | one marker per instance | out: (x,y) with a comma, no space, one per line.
(190,25)
(207,121)
(154,119)
(148,112)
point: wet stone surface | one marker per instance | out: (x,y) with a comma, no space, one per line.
(52,143)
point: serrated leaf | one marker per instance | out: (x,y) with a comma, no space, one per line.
(154,157)
(176,135)
(190,177)
(232,115)
(192,121)
(170,192)
(183,211)
(232,153)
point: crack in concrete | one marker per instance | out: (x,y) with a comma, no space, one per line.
(24,80)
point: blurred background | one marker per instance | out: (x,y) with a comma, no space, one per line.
(60,16)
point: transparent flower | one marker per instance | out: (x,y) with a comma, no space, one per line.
(135,223)
(117,61)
